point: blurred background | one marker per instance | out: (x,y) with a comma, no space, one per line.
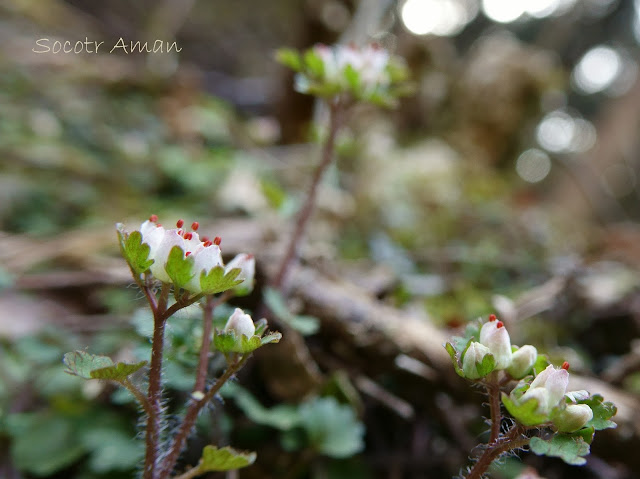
(507,183)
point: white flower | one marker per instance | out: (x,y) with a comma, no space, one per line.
(473,356)
(241,324)
(573,417)
(522,361)
(370,62)
(548,388)
(494,335)
(247,265)
(205,253)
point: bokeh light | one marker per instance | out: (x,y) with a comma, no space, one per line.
(533,165)
(597,70)
(560,132)
(438,17)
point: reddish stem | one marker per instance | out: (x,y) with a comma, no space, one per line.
(192,414)
(154,395)
(513,440)
(493,389)
(307,209)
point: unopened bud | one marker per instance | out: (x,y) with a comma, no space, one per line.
(241,324)
(573,417)
(473,357)
(522,361)
(494,335)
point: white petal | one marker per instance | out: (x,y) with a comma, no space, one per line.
(160,254)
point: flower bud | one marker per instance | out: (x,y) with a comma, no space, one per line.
(550,384)
(573,417)
(247,265)
(241,324)
(522,361)
(473,357)
(494,335)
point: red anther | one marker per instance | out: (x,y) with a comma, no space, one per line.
(158,225)
(187,253)
(153,218)
(492,317)
(500,324)
(204,239)
(179,223)
(188,236)
(181,232)
(195,225)
(217,240)
(249,256)
(207,243)
(565,365)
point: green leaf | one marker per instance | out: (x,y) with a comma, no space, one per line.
(454,359)
(274,337)
(305,325)
(569,448)
(487,365)
(283,416)
(313,63)
(217,282)
(602,412)
(225,459)
(541,364)
(118,371)
(352,77)
(224,342)
(89,366)
(43,443)
(179,267)
(134,251)
(82,363)
(332,428)
(526,412)
(290,58)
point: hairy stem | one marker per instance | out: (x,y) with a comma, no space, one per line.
(181,303)
(493,389)
(140,397)
(513,440)
(203,362)
(190,417)
(307,208)
(154,395)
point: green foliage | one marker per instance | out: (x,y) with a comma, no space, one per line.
(134,251)
(526,413)
(305,325)
(602,412)
(82,363)
(179,268)
(89,366)
(225,459)
(332,428)
(321,423)
(228,341)
(569,447)
(454,358)
(216,281)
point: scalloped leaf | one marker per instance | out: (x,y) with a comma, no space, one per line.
(525,413)
(290,58)
(487,365)
(602,412)
(82,363)
(569,448)
(216,281)
(118,371)
(225,459)
(274,337)
(313,63)
(134,251)
(179,267)
(228,342)
(454,359)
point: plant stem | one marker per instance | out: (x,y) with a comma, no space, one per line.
(154,395)
(203,362)
(279,281)
(493,389)
(142,399)
(192,414)
(193,472)
(178,305)
(513,440)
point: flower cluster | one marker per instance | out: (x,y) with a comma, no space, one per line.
(546,400)
(494,352)
(181,257)
(538,400)
(367,73)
